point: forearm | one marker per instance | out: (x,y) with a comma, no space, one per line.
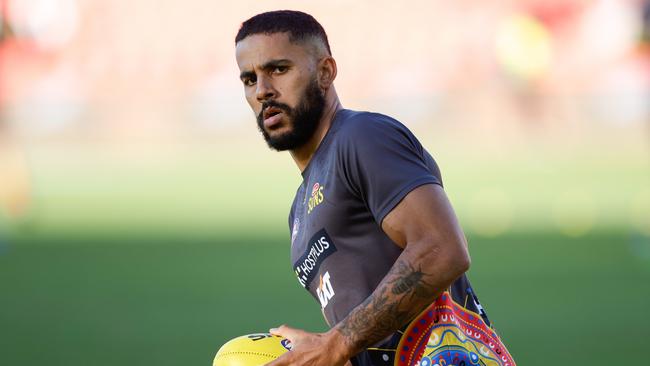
(415,280)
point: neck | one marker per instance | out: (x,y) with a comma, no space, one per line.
(302,155)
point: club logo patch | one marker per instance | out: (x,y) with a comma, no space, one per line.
(294,230)
(316,197)
(319,247)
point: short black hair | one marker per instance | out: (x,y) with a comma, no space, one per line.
(300,26)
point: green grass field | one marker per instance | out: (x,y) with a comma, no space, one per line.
(173,300)
(157,257)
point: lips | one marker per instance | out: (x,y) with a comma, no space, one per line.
(271,111)
(272,116)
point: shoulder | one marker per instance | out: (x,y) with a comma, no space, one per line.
(355,127)
(368,132)
(355,122)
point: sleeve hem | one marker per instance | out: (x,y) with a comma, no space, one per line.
(399,196)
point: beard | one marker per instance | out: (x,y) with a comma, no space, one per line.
(304,119)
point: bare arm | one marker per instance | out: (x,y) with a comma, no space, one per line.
(435,254)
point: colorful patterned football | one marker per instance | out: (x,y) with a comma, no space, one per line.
(251,350)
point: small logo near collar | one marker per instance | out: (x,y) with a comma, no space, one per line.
(316,197)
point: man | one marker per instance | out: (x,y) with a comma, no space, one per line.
(373,236)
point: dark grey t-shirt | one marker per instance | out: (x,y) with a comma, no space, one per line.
(366,164)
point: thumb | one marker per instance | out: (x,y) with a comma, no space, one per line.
(287,332)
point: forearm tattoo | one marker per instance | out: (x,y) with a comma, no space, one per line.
(401,296)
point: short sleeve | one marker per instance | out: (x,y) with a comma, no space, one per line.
(381,162)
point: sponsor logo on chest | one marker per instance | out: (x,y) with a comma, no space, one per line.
(319,247)
(325,291)
(316,197)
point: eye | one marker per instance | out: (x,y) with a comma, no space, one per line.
(249,81)
(280,69)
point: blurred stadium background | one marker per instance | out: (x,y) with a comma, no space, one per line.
(143,220)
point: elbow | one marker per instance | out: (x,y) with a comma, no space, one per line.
(452,259)
(459,260)
(448,257)
(464,262)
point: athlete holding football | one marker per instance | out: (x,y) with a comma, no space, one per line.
(373,237)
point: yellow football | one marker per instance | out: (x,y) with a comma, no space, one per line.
(251,350)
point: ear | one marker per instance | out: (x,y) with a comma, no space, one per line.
(326,72)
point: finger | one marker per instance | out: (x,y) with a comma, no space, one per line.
(287,332)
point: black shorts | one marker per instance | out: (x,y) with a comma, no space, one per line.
(383,355)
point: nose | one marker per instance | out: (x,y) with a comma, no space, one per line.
(265,90)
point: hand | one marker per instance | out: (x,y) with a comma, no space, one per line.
(311,349)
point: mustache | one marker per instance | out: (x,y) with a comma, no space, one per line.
(285,108)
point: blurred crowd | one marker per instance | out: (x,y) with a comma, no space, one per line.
(114,70)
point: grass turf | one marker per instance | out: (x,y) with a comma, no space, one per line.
(174,300)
